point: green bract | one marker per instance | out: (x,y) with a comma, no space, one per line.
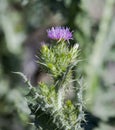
(58,58)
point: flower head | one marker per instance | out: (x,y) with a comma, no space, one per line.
(59,33)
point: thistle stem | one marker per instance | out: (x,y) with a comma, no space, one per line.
(60,98)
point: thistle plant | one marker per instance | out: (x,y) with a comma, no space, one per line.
(50,104)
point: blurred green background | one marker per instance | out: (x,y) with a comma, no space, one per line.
(23,25)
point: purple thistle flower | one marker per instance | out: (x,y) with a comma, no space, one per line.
(59,33)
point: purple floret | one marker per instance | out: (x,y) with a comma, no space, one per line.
(59,33)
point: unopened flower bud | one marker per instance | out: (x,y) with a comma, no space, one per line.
(76,46)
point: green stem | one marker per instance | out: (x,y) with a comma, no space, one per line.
(60,88)
(96,59)
(60,98)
